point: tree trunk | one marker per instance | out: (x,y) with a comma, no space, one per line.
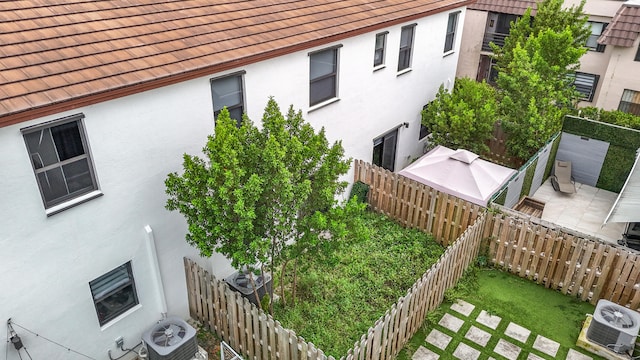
(255,289)
(295,281)
(282,297)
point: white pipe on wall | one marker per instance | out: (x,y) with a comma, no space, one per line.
(155,270)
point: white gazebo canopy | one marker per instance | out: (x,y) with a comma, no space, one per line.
(460,173)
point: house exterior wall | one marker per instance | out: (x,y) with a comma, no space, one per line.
(613,65)
(135,141)
(595,63)
(472,35)
(622,73)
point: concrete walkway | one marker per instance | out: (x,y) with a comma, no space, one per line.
(474,345)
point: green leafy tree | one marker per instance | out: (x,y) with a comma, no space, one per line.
(260,192)
(535,69)
(463,118)
(550,15)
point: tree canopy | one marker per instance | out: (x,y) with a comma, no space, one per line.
(535,71)
(463,118)
(259,192)
(534,88)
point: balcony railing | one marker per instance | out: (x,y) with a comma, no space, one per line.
(496,38)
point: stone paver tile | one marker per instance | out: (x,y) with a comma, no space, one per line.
(462,307)
(438,339)
(574,355)
(478,336)
(466,352)
(517,332)
(451,322)
(487,320)
(424,354)
(507,349)
(546,346)
(534,357)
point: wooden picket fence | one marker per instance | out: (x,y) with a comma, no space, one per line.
(416,205)
(552,256)
(563,260)
(246,328)
(385,339)
(256,335)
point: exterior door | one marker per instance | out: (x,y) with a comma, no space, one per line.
(384,150)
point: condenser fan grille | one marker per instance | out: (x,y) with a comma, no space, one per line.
(171,339)
(168,335)
(617,317)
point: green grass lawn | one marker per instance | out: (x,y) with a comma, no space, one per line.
(543,311)
(341,295)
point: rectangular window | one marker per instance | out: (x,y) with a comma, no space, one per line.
(114,293)
(228,92)
(406,47)
(323,76)
(451,31)
(637,58)
(596,30)
(630,102)
(60,158)
(586,85)
(378,54)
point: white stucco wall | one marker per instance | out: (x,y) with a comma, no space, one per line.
(48,262)
(622,73)
(472,35)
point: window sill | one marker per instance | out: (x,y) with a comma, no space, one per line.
(120,317)
(322,104)
(403,71)
(379,67)
(73,202)
(450,52)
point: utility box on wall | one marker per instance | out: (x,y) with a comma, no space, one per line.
(241,282)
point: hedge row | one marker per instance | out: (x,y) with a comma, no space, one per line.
(623,143)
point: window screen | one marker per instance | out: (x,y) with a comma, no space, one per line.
(114,293)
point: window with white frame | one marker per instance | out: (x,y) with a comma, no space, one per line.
(406,47)
(228,91)
(379,52)
(323,75)
(114,293)
(60,158)
(452,24)
(596,30)
(586,84)
(630,102)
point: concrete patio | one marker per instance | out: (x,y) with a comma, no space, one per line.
(583,211)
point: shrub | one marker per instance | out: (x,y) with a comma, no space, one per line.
(360,190)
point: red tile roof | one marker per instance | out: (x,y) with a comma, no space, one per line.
(515,7)
(60,54)
(624,28)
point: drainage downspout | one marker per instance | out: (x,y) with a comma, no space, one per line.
(155,270)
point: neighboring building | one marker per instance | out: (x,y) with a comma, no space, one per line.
(609,74)
(98,102)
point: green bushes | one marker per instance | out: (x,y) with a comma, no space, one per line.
(341,295)
(611,117)
(360,190)
(528,178)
